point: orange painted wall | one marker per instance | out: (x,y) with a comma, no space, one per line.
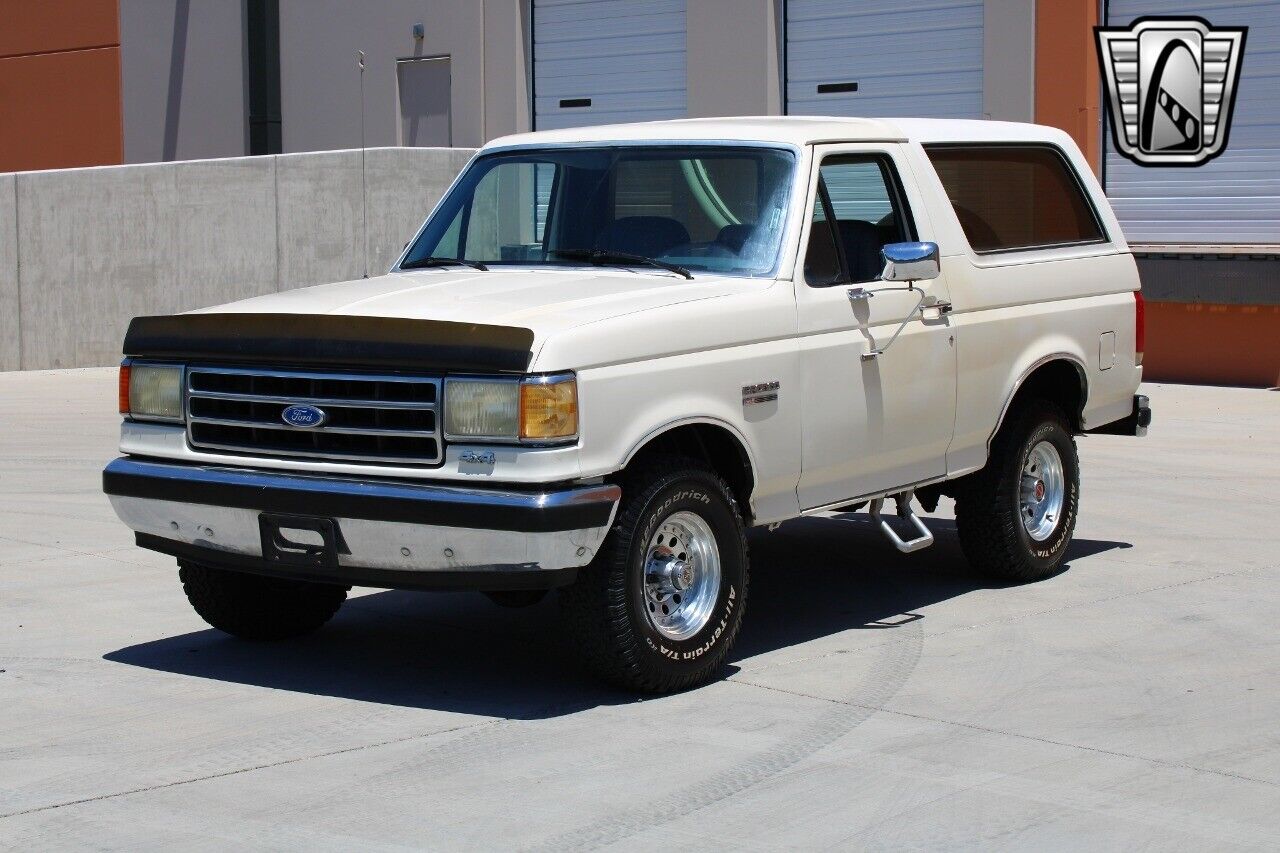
(60,102)
(1068,84)
(1215,344)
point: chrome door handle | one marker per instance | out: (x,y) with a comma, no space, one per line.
(935,310)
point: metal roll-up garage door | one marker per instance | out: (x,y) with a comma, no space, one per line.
(921,59)
(605,61)
(1234,198)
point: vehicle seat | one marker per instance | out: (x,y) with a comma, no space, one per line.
(862,244)
(982,237)
(650,236)
(734,237)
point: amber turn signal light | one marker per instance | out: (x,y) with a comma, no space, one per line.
(549,409)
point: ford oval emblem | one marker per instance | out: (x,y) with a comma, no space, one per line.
(303,416)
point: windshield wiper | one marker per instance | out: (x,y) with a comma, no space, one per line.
(604,256)
(419,263)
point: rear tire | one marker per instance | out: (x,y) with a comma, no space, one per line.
(1016,516)
(659,607)
(254,607)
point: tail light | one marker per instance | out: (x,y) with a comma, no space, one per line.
(124,388)
(1140,327)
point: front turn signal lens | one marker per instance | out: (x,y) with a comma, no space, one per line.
(549,409)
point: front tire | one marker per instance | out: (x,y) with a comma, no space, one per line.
(1016,516)
(253,607)
(660,606)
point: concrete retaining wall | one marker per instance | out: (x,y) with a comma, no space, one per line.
(82,251)
(9,358)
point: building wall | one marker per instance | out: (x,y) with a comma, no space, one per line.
(10,306)
(320,81)
(59,84)
(183,67)
(508,94)
(1194,303)
(1213,343)
(1009,48)
(1212,317)
(732,55)
(86,82)
(1068,85)
(100,246)
(185,72)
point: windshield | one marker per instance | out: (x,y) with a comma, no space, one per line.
(704,208)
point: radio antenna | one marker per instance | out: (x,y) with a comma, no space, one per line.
(364,181)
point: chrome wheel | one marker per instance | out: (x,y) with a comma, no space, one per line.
(1043,491)
(681,576)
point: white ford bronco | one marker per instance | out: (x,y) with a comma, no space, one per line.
(610,351)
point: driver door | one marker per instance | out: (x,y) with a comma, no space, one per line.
(870,424)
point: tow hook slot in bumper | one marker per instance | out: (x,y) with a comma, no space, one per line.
(907,546)
(281,545)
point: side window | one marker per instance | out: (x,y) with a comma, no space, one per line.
(448,245)
(822,258)
(1010,197)
(860,209)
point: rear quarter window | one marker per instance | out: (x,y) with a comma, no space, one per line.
(1013,197)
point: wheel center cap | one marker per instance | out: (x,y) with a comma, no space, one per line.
(674,573)
(1039,490)
(681,575)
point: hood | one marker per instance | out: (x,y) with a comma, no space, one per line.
(544,301)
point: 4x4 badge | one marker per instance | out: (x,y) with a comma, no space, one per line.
(1172,87)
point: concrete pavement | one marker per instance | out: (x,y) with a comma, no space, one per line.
(875,701)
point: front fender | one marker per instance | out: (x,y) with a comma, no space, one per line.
(623,407)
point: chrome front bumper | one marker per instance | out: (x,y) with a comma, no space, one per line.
(385,533)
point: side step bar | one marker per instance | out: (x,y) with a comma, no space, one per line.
(908,546)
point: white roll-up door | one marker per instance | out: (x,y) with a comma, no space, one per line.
(1234,198)
(606,61)
(918,59)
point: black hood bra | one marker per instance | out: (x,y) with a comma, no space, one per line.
(332,340)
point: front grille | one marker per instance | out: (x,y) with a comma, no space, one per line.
(369,418)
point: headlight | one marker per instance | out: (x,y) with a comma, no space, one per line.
(538,409)
(151,391)
(487,409)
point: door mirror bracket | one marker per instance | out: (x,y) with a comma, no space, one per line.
(909,263)
(879,351)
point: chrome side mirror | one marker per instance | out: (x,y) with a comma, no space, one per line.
(910,262)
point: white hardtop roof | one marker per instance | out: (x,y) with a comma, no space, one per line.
(793,130)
